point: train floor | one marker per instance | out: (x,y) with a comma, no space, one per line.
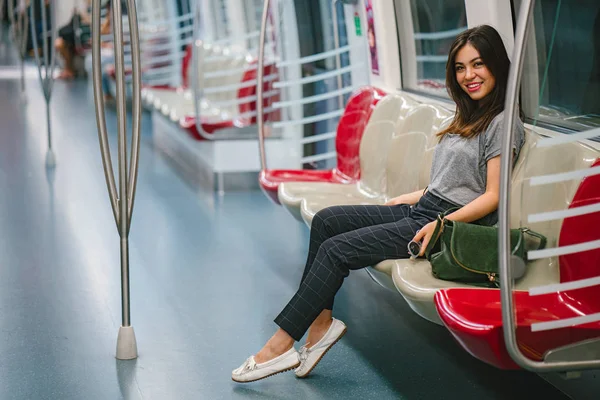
(208,275)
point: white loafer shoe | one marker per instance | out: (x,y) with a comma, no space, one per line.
(310,357)
(250,371)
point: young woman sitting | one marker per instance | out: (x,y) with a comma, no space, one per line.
(465,173)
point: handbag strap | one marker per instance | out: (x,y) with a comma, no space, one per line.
(542,238)
(439,227)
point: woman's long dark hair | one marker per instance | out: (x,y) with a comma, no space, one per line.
(473,117)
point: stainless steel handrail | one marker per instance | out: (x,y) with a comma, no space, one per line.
(506,290)
(123,200)
(46,71)
(260,78)
(198,92)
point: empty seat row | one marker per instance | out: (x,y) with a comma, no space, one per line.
(228,80)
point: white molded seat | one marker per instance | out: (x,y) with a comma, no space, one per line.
(399,164)
(414,279)
(179,103)
(382,121)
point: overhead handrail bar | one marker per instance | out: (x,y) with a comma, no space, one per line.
(315,57)
(122,201)
(504,248)
(319,157)
(318,77)
(314,99)
(245,100)
(564,176)
(236,86)
(46,71)
(309,120)
(321,137)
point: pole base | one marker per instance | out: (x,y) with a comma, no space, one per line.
(50,159)
(126,344)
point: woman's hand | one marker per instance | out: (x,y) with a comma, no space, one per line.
(397,200)
(425,235)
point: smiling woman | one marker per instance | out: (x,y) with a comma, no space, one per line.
(465,176)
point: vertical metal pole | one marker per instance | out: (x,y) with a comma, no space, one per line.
(338,57)
(259,85)
(197,90)
(504,248)
(117,15)
(45,71)
(122,200)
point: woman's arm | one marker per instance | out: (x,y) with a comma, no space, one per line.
(408,198)
(478,208)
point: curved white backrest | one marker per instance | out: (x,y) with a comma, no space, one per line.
(527,199)
(373,155)
(404,162)
(374,150)
(535,161)
(391,107)
(432,141)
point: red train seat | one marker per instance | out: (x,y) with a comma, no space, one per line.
(349,133)
(474,318)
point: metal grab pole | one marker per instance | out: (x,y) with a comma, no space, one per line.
(197,46)
(46,71)
(505,258)
(260,75)
(123,200)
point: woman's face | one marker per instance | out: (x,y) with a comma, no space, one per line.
(471,73)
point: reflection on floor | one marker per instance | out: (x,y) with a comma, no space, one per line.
(206,280)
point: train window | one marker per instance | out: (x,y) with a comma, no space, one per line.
(424,48)
(562,67)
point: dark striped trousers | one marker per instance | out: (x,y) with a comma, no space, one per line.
(344,238)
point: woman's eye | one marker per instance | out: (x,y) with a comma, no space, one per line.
(478,64)
(459,68)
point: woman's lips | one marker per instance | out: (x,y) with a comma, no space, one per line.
(473,87)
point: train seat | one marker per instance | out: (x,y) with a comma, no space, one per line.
(474,315)
(383,116)
(225,75)
(349,133)
(413,278)
(383,119)
(383,162)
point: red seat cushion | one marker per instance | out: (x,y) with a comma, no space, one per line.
(349,133)
(271,179)
(474,315)
(188,123)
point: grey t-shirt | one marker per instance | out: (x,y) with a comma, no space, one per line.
(459,168)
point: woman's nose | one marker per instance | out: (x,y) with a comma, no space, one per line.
(469,73)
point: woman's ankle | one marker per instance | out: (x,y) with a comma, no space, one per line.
(279,343)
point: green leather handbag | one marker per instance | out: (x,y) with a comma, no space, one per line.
(468,253)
